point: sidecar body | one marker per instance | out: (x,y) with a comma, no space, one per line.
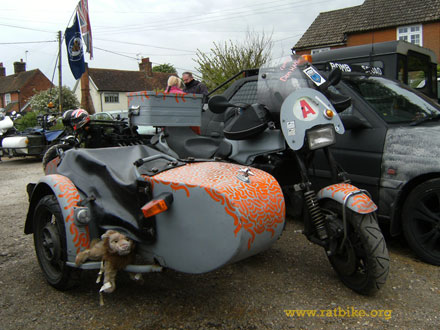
(215,213)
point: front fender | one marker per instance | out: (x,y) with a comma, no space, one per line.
(358,200)
(77,237)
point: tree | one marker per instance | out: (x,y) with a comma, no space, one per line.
(228,58)
(39,102)
(28,120)
(166,67)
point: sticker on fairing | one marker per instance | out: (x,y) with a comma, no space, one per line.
(314,76)
(305,109)
(291,128)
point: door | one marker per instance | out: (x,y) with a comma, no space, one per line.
(359,150)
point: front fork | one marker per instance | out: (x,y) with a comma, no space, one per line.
(348,196)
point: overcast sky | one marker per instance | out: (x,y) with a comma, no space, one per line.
(165,31)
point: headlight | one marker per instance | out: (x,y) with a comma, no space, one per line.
(320,137)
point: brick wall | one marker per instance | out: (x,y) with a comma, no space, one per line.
(39,82)
(369,37)
(431,37)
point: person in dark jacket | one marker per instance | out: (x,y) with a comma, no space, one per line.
(192,85)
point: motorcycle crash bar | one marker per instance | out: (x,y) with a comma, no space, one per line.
(157,205)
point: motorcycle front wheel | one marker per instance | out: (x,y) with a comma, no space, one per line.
(362,262)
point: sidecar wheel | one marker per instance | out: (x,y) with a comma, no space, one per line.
(50,243)
(363,263)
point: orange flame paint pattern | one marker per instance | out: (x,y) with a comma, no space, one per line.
(51,167)
(144,96)
(256,207)
(71,198)
(363,203)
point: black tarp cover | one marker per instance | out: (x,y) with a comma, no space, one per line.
(109,175)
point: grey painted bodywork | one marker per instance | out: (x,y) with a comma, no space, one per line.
(206,226)
(245,151)
(295,120)
(409,152)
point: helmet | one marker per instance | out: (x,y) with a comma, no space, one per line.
(76,118)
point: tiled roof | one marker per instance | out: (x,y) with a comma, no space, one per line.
(330,28)
(127,81)
(15,82)
(377,14)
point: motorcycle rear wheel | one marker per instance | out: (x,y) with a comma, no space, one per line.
(363,262)
(50,243)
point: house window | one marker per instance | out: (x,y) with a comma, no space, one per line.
(7,98)
(111,97)
(412,34)
(319,50)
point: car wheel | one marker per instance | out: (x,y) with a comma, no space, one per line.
(50,243)
(421,221)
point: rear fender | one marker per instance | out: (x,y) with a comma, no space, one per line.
(77,237)
(354,198)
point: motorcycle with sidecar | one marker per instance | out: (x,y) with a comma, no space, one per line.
(295,116)
(196,215)
(32,141)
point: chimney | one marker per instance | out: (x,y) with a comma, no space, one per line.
(19,66)
(86,98)
(2,70)
(146,67)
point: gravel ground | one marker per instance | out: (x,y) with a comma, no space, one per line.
(253,294)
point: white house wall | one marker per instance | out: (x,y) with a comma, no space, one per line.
(98,98)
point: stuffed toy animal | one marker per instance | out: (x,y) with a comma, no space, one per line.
(116,252)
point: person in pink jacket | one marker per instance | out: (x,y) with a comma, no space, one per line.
(174,85)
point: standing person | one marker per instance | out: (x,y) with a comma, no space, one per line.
(192,85)
(174,85)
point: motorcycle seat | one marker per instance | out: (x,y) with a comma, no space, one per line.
(186,143)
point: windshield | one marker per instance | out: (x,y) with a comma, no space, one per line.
(394,102)
(280,77)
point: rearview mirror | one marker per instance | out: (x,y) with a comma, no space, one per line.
(219,104)
(352,122)
(335,76)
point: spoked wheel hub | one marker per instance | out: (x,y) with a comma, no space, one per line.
(51,243)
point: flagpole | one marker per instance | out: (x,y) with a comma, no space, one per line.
(60,82)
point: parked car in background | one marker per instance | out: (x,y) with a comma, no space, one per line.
(391,148)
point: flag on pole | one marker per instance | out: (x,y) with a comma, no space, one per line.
(75,52)
(86,29)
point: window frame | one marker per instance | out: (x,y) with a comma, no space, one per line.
(408,34)
(319,50)
(111,97)
(8,98)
